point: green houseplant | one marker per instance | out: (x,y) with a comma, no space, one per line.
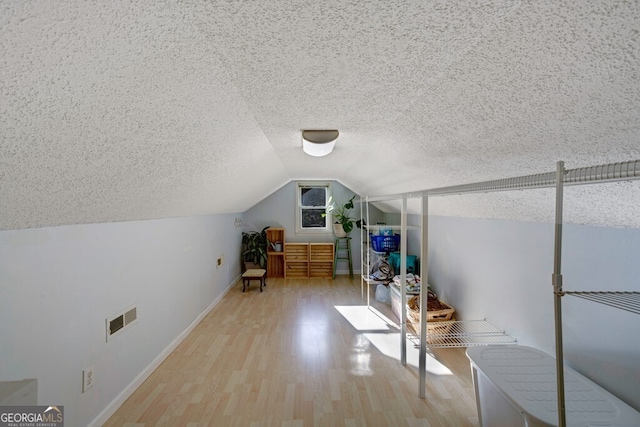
(254,247)
(342,215)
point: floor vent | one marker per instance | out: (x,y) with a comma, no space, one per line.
(121,321)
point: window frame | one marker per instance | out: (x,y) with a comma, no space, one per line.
(299,207)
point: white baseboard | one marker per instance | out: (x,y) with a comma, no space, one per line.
(112,407)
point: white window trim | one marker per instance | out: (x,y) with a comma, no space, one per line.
(299,230)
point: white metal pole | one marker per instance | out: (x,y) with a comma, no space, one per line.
(403,281)
(424,254)
(557,293)
(362,231)
(368,251)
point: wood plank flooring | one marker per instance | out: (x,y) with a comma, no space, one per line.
(301,353)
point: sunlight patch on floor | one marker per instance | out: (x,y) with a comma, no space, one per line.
(366,319)
(384,334)
(389,345)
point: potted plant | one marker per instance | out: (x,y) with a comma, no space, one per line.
(343,223)
(254,247)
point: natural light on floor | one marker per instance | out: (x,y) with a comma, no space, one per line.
(384,334)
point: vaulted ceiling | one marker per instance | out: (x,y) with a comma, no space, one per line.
(128,110)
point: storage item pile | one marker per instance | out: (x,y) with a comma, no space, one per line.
(412,261)
(381,271)
(413,282)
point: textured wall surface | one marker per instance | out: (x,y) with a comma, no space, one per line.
(124,110)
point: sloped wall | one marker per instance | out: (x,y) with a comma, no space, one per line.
(501,271)
(59,284)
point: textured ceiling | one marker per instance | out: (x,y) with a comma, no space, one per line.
(123,110)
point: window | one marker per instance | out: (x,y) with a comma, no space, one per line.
(312,199)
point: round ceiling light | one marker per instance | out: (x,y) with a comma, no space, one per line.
(319,143)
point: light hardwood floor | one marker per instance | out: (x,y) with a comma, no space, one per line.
(291,356)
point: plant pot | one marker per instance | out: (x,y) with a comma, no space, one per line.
(338,230)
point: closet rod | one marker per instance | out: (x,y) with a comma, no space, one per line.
(622,171)
(611,172)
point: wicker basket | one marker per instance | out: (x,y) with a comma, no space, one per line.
(433,317)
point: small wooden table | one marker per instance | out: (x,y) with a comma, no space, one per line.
(254,274)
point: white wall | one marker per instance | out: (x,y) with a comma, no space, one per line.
(414,244)
(59,284)
(278,210)
(501,271)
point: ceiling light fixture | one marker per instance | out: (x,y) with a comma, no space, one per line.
(318,143)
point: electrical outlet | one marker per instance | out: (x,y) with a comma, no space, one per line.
(87,379)
(220,261)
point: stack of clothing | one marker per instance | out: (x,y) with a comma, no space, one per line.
(413,283)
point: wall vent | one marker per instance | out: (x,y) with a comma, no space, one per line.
(120,321)
(130,316)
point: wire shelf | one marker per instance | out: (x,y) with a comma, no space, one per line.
(390,227)
(608,172)
(462,333)
(623,300)
(476,333)
(543,180)
(621,171)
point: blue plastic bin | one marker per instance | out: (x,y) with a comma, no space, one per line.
(385,243)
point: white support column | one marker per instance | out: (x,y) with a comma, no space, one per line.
(363,230)
(403,281)
(424,254)
(557,294)
(368,260)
